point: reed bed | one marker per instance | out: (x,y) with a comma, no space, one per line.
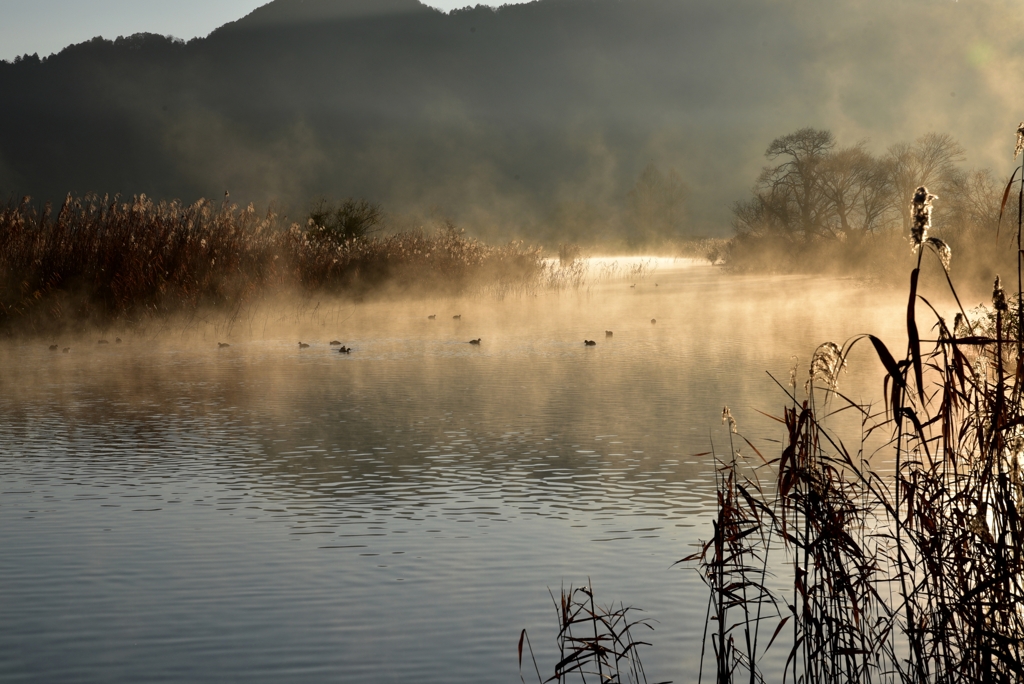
(104,261)
(914,574)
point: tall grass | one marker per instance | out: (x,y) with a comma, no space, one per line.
(593,640)
(104,260)
(909,575)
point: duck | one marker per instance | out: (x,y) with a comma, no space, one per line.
(66,350)
(344,350)
(653,321)
(335,343)
(633,285)
(117,340)
(457,317)
(476,341)
(590,343)
(432,317)
(608,333)
(54,347)
(303,345)
(221,345)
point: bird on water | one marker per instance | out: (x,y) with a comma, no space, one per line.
(590,343)
(476,341)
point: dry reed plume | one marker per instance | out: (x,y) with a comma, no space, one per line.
(102,261)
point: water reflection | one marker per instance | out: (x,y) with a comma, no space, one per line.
(173,510)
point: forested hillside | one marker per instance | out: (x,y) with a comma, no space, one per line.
(560,119)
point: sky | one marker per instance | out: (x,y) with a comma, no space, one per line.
(44,27)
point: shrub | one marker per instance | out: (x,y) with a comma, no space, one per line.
(349,220)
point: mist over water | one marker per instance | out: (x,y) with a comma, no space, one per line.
(174,511)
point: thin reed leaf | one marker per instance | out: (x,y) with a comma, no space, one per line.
(1006,196)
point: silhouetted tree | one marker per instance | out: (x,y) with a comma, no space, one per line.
(818,191)
(970,201)
(753,217)
(854,186)
(928,161)
(791,192)
(349,220)
(820,195)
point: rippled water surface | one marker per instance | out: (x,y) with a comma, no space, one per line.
(172,511)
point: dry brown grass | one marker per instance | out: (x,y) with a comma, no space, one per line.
(103,261)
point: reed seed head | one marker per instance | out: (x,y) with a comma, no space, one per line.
(826,365)
(727,418)
(921,213)
(998,296)
(942,250)
(1020,140)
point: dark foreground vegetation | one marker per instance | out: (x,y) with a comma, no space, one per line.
(821,207)
(914,574)
(103,261)
(895,554)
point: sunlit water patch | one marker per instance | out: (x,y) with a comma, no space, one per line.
(176,511)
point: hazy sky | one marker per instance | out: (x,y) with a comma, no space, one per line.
(48,26)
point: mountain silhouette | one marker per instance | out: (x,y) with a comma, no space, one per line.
(532,120)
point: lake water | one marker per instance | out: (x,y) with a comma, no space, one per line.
(172,511)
